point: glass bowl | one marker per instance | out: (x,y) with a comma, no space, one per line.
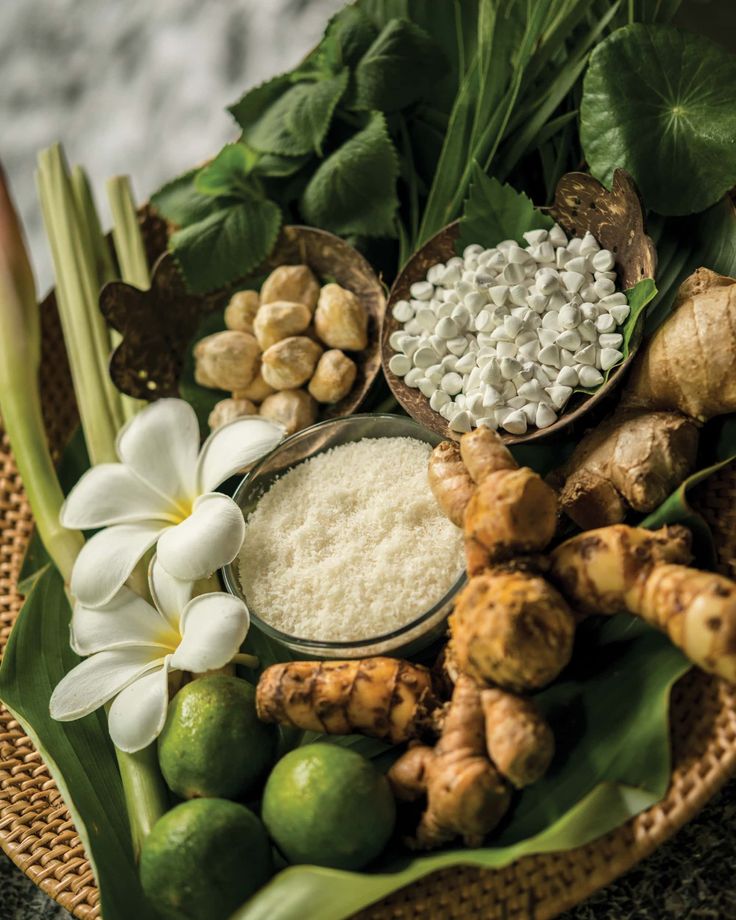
(410,638)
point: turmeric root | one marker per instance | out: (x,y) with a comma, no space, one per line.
(511,512)
(450,481)
(621,568)
(483,452)
(595,570)
(382,697)
(466,797)
(685,375)
(518,739)
(511,629)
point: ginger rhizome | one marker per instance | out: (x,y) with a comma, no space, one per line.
(518,738)
(466,796)
(382,697)
(625,569)
(450,481)
(684,376)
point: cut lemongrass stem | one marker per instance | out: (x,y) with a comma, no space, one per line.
(95,421)
(145,793)
(126,233)
(85,333)
(20,400)
(96,240)
(247,661)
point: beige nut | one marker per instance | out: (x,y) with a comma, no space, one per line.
(257,390)
(241,311)
(333,378)
(340,320)
(295,283)
(294,409)
(227,410)
(278,320)
(226,360)
(290,363)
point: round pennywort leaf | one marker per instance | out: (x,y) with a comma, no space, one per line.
(661,103)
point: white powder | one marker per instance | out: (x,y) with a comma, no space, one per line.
(350,544)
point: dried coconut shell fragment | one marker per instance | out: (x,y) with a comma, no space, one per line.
(294,283)
(340,320)
(279,320)
(226,360)
(241,311)
(294,409)
(290,363)
(333,377)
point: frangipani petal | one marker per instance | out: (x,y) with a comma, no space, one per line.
(138,713)
(208,539)
(126,621)
(97,679)
(213,627)
(160,445)
(233,447)
(111,494)
(108,558)
(170,594)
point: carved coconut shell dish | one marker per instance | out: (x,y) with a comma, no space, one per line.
(616,220)
(157,326)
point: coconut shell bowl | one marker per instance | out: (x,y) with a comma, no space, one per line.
(581,204)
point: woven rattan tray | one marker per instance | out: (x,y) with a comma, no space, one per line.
(37,833)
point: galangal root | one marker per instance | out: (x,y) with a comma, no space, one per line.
(625,569)
(683,377)
(384,698)
(466,796)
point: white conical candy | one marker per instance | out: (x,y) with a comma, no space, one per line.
(610,357)
(550,354)
(545,416)
(586,355)
(515,422)
(620,312)
(559,395)
(569,339)
(589,376)
(568,377)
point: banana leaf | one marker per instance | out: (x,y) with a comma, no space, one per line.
(78,754)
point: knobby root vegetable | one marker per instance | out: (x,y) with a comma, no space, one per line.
(625,569)
(226,360)
(685,375)
(290,363)
(512,629)
(340,319)
(519,741)
(333,377)
(227,410)
(635,458)
(450,481)
(294,409)
(382,697)
(483,452)
(240,313)
(596,569)
(291,282)
(511,512)
(466,796)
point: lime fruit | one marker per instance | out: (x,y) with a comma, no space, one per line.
(329,806)
(213,743)
(203,859)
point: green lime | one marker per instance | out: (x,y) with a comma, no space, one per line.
(204,859)
(213,743)
(329,806)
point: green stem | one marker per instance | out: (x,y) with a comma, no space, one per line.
(247,661)
(145,793)
(126,233)
(85,334)
(90,221)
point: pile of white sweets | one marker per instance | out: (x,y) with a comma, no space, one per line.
(501,337)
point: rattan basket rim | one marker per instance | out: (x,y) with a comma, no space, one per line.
(37,833)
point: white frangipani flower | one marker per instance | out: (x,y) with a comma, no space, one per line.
(132,648)
(162,492)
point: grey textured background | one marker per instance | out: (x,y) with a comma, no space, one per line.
(139,87)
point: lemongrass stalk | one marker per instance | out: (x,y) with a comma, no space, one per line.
(20,403)
(106,270)
(126,233)
(85,333)
(145,794)
(20,400)
(96,241)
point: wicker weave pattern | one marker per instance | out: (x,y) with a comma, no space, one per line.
(37,833)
